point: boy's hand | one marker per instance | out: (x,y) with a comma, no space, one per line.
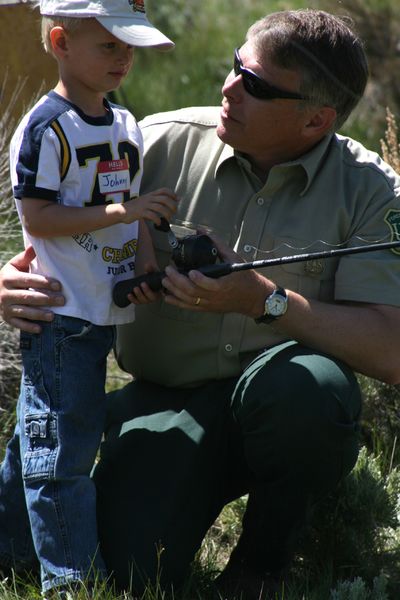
(143,294)
(152,206)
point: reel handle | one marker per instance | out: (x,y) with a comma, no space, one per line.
(125,287)
(153,280)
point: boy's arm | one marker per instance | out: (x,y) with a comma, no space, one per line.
(145,256)
(46,219)
(146,262)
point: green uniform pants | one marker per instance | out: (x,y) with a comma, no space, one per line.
(285,432)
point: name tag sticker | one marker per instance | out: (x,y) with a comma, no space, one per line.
(113,176)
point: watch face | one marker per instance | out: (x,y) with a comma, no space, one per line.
(276,305)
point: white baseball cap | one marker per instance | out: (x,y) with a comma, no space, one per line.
(125,19)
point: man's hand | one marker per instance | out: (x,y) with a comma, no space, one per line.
(242,292)
(365,336)
(24,296)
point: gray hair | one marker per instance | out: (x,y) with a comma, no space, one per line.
(323,49)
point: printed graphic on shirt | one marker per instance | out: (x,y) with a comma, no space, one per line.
(392,218)
(115,256)
(109,254)
(86,241)
(111,176)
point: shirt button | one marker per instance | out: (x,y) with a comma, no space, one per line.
(260,201)
(247,248)
(228,347)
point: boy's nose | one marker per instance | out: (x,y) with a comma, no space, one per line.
(126,56)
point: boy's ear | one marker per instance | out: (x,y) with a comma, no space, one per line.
(320,121)
(59,41)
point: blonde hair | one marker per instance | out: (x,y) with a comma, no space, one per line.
(70,24)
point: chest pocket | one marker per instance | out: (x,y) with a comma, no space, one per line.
(313,278)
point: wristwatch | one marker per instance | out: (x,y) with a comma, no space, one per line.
(275,306)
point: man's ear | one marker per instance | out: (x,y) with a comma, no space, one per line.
(320,122)
(59,41)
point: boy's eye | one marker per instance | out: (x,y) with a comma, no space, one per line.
(109,45)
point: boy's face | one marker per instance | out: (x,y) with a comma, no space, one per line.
(94,58)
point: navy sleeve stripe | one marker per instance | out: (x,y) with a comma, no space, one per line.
(28,157)
(30,191)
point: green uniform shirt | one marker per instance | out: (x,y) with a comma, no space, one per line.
(338,194)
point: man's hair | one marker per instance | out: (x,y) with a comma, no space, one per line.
(70,24)
(323,49)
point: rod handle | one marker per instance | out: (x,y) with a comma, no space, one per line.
(125,287)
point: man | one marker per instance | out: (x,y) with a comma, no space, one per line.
(245,384)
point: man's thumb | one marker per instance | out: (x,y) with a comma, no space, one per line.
(22,260)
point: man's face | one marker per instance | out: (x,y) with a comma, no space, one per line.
(268,131)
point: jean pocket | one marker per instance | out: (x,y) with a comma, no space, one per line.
(70,329)
(42,446)
(76,338)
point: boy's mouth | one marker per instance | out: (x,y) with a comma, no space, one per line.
(118,73)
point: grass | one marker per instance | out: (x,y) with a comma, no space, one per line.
(352,553)
(115,377)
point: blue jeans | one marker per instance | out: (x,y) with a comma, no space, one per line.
(47,498)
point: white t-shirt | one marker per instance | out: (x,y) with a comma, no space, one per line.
(60,154)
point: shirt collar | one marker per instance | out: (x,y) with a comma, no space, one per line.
(312,160)
(227,152)
(309,162)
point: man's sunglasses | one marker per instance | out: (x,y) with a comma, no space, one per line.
(257,87)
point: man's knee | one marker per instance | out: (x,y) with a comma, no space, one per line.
(295,406)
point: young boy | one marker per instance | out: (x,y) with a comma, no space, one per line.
(76,165)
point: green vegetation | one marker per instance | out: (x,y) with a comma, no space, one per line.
(192,74)
(10,241)
(352,551)
(206,35)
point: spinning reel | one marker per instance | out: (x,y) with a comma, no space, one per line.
(190,252)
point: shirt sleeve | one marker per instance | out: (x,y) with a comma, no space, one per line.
(35,163)
(373,277)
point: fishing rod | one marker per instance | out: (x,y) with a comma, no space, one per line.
(154,280)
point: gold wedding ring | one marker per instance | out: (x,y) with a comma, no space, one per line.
(197,301)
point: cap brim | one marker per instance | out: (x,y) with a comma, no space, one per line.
(136,34)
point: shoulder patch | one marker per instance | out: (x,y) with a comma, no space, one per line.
(392,218)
